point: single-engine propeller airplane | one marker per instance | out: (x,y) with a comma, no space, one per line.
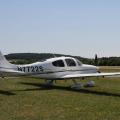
(57,68)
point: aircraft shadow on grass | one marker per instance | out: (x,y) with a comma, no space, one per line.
(40,86)
(7,93)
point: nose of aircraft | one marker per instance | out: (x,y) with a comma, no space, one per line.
(92,67)
(95,67)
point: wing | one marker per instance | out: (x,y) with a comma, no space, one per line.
(91,75)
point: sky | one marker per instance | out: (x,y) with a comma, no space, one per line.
(76,27)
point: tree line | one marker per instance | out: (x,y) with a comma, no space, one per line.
(26,58)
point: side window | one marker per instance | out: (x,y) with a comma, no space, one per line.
(70,62)
(58,63)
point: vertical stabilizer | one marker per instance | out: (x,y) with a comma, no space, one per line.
(4,63)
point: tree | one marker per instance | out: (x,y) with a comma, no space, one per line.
(96,60)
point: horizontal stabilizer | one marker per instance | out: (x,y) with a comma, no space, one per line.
(10,72)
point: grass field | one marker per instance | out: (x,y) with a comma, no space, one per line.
(28,99)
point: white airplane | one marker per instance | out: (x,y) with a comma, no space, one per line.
(57,68)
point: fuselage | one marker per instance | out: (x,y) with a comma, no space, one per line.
(56,68)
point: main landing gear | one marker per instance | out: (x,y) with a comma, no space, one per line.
(49,83)
(78,86)
(75,86)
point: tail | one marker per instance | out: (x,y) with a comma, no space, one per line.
(4,63)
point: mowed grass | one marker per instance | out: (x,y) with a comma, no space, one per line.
(28,99)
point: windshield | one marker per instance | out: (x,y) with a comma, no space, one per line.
(78,62)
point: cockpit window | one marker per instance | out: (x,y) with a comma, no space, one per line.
(70,62)
(58,63)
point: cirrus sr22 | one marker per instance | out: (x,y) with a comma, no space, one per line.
(58,68)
